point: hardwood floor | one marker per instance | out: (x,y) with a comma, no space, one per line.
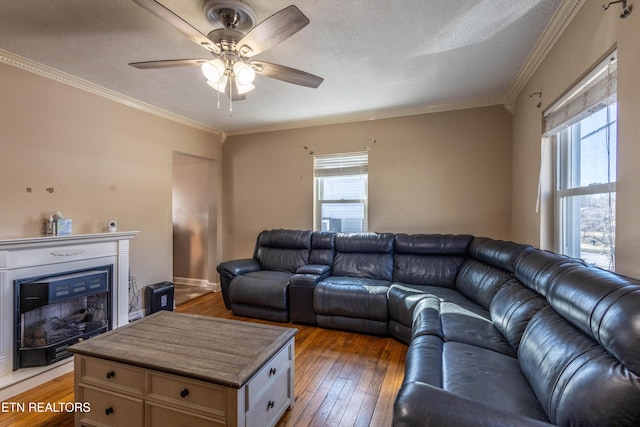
(341,378)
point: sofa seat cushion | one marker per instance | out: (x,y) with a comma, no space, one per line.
(404,297)
(445,409)
(402,300)
(352,297)
(443,294)
(489,377)
(478,374)
(462,323)
(261,288)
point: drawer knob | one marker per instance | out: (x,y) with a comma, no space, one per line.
(272,371)
(108,411)
(184,393)
(110,375)
(270,404)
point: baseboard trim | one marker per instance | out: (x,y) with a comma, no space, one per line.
(197,282)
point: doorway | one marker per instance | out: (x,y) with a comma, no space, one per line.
(194,211)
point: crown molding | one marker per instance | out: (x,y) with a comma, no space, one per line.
(370,115)
(561,20)
(78,83)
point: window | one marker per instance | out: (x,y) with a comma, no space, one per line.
(341,183)
(584,127)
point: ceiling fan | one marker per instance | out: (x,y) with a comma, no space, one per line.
(233,43)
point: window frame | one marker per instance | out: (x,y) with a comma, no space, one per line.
(567,210)
(563,121)
(348,170)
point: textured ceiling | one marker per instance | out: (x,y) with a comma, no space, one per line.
(375,56)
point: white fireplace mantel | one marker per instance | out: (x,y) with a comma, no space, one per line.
(44,255)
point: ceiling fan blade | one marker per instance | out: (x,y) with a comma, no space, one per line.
(273,30)
(287,74)
(167,63)
(178,23)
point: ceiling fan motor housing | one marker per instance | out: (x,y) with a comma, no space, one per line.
(231,14)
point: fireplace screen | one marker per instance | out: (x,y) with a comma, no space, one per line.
(55,312)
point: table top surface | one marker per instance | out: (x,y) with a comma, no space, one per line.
(221,351)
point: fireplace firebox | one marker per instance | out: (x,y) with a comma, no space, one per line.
(56,311)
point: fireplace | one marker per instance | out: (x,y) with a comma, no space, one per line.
(52,258)
(54,312)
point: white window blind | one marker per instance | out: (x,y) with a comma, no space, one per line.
(595,92)
(341,164)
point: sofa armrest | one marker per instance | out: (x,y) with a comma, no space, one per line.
(317,269)
(421,404)
(230,269)
(239,267)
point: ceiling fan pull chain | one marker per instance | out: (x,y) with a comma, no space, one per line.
(218,99)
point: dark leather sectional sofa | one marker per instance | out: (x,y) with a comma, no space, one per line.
(499,333)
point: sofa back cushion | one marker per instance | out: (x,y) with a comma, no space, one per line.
(512,308)
(323,247)
(603,305)
(581,353)
(498,253)
(283,250)
(537,268)
(575,379)
(489,267)
(480,282)
(429,259)
(367,255)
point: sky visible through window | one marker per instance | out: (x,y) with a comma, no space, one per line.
(593,146)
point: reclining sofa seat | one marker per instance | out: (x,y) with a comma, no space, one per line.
(421,263)
(258,286)
(354,296)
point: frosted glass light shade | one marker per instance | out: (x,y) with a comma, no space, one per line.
(244,73)
(244,88)
(213,70)
(220,85)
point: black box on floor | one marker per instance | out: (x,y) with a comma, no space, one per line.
(158,296)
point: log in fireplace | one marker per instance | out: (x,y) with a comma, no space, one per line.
(56,311)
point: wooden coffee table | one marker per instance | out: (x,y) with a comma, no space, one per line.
(171,369)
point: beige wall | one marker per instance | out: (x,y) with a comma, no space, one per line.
(191,234)
(434,173)
(591,34)
(102,159)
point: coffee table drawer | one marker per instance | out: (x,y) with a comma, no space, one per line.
(268,374)
(162,416)
(109,409)
(271,404)
(188,393)
(111,375)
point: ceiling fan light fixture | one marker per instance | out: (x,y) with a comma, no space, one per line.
(213,70)
(244,73)
(220,85)
(242,89)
